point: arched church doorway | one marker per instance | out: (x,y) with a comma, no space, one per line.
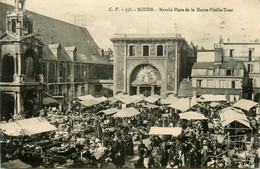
(7,69)
(146,80)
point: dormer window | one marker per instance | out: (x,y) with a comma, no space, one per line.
(229,72)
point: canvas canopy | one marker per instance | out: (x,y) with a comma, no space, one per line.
(169,100)
(138,98)
(126,99)
(35,126)
(232,115)
(128,112)
(212,98)
(245,104)
(151,99)
(86,97)
(27,127)
(183,104)
(174,131)
(151,106)
(12,129)
(89,103)
(101,99)
(110,111)
(232,108)
(192,116)
(226,122)
(113,100)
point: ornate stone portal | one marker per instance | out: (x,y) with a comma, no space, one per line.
(146,75)
(145,80)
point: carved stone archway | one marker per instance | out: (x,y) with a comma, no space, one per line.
(132,67)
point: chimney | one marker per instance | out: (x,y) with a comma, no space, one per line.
(101,52)
(72,52)
(219,58)
(56,50)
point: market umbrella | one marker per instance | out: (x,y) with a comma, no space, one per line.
(128,112)
(192,116)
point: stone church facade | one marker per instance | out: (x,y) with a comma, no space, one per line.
(149,64)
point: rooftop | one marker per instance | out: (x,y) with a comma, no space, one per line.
(122,36)
(53,31)
(224,65)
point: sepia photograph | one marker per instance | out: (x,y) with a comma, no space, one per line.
(129,84)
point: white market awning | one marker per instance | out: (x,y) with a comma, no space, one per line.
(192,116)
(184,104)
(12,129)
(86,97)
(151,99)
(89,103)
(35,126)
(212,98)
(174,131)
(128,112)
(169,100)
(27,127)
(138,98)
(226,122)
(110,111)
(245,104)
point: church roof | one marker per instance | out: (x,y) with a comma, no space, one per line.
(58,32)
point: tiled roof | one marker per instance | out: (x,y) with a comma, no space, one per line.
(59,32)
(224,65)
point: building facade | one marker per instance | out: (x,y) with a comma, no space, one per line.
(247,53)
(43,57)
(149,64)
(227,78)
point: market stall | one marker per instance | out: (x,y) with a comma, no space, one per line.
(173,131)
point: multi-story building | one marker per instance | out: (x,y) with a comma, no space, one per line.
(149,64)
(42,56)
(247,53)
(227,78)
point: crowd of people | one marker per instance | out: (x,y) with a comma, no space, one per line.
(87,137)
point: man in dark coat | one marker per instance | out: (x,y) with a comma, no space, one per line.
(256,161)
(141,148)
(164,157)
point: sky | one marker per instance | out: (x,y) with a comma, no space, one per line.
(239,24)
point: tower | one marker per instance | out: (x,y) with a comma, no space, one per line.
(18,22)
(21,73)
